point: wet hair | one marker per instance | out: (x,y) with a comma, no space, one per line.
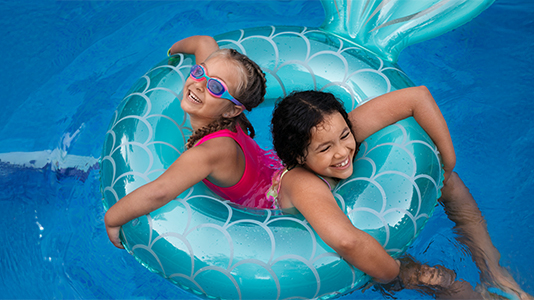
(295,116)
(250,91)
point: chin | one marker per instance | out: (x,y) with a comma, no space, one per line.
(346,174)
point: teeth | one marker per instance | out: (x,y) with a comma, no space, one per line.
(342,164)
(194,97)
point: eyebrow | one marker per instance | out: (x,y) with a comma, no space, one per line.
(329,142)
(204,66)
(322,145)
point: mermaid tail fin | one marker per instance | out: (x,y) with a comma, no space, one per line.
(385,27)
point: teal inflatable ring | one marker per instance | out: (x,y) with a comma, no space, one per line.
(216,249)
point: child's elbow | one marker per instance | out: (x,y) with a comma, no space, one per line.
(347,244)
(161,194)
(155,194)
(422,93)
(422,89)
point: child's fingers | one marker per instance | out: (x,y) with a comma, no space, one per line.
(118,244)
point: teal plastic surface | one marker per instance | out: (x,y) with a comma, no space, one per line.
(216,249)
(387,27)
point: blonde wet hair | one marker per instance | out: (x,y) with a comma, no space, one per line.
(250,91)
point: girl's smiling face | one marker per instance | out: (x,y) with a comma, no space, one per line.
(200,104)
(331,148)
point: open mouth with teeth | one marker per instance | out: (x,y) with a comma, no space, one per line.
(194,97)
(343,163)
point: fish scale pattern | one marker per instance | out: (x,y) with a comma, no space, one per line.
(216,249)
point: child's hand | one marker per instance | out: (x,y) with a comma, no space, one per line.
(113,235)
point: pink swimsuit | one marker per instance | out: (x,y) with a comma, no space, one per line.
(260,166)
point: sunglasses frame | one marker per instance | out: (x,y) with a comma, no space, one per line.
(224,95)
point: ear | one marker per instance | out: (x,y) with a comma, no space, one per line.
(301,160)
(234,111)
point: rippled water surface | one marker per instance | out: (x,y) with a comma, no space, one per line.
(67,64)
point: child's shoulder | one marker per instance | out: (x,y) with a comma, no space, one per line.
(220,140)
(300,187)
(301,177)
(216,147)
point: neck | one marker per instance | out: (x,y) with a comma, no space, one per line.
(197,123)
(217,123)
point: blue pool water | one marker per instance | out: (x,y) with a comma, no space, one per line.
(67,64)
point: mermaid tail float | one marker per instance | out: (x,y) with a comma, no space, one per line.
(216,249)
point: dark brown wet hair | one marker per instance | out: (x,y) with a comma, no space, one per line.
(295,116)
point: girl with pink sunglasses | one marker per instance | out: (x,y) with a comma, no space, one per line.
(220,152)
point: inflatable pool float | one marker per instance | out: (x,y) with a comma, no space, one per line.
(216,249)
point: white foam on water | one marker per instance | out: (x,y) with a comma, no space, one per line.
(57,158)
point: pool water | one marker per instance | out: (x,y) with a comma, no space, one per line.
(67,64)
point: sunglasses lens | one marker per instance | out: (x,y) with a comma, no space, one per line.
(216,87)
(197,71)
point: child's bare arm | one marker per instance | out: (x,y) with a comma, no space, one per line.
(315,201)
(190,168)
(414,102)
(199,45)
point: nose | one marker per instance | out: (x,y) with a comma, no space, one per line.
(199,84)
(342,150)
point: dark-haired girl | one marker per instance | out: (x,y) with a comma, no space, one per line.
(317,140)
